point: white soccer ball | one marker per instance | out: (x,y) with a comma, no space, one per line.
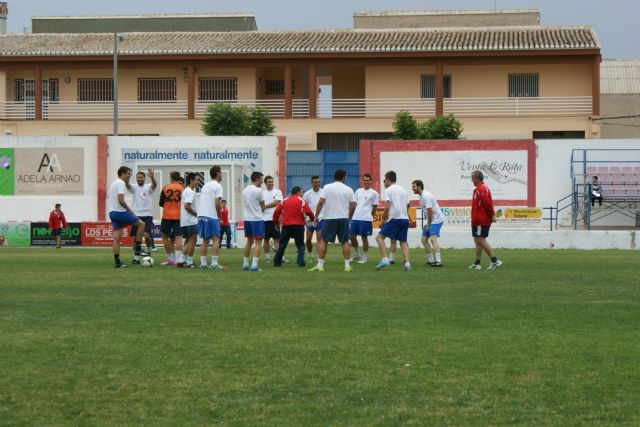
(147,262)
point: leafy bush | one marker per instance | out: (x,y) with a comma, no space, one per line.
(222,119)
(405,126)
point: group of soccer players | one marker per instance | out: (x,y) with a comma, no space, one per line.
(333,213)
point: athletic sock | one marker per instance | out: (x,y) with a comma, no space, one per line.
(438,258)
(430,257)
(494,259)
(179,256)
(245,262)
(254,263)
(170,257)
(347,263)
(365,254)
(214,260)
(116,257)
(138,246)
(136,257)
(392,256)
(385,259)
(203,260)
(356,252)
(320,263)
(407,264)
(477,262)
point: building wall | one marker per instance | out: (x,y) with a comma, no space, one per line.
(496,18)
(616,106)
(479,81)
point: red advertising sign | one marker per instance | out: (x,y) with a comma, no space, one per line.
(101,234)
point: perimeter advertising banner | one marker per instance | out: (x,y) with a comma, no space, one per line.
(377,218)
(41,171)
(505,217)
(100,234)
(13,234)
(41,235)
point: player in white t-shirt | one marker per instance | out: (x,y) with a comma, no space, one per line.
(362,222)
(253,199)
(143,206)
(431,231)
(337,204)
(272,198)
(395,220)
(312,197)
(209,218)
(121,215)
(189,220)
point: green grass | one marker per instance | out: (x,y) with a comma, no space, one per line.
(553,337)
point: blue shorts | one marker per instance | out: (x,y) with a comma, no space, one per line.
(254,229)
(318,227)
(208,227)
(189,230)
(148,225)
(396,229)
(359,227)
(434,230)
(335,228)
(122,219)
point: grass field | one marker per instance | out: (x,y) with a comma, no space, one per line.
(553,337)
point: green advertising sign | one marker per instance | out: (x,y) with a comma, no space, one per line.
(14,234)
(7,170)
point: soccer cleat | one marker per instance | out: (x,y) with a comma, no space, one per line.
(475,267)
(355,258)
(204,266)
(436,264)
(245,268)
(188,266)
(179,264)
(407,267)
(135,261)
(168,262)
(255,269)
(285,260)
(317,269)
(382,264)
(141,253)
(392,262)
(120,265)
(494,265)
(362,261)
(216,267)
(348,269)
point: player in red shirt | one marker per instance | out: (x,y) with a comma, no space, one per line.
(57,222)
(290,212)
(225,225)
(482,216)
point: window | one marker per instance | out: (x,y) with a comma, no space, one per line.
(24,90)
(276,87)
(428,86)
(218,89)
(54,90)
(200,175)
(157,90)
(523,85)
(95,90)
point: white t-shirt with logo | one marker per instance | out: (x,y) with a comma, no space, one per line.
(252,196)
(186,219)
(142,200)
(428,201)
(337,198)
(208,195)
(270,196)
(398,198)
(365,199)
(312,198)
(117,187)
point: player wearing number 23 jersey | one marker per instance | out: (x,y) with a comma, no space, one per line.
(170,201)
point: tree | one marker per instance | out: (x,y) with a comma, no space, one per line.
(405,126)
(222,119)
(441,127)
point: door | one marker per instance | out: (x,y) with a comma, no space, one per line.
(325,97)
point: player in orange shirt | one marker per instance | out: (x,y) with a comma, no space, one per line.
(170,224)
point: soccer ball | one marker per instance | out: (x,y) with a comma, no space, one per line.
(147,262)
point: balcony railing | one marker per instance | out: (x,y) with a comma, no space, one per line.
(325,109)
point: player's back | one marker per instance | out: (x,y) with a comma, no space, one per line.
(171,195)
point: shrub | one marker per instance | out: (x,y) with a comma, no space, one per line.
(222,119)
(405,126)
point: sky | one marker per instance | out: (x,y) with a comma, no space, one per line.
(615,21)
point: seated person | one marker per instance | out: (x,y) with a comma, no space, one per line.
(596,192)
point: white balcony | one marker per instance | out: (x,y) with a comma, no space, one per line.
(326,109)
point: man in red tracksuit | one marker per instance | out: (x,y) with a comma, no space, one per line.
(482,216)
(292,209)
(57,222)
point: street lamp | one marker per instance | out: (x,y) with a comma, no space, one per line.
(116,38)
